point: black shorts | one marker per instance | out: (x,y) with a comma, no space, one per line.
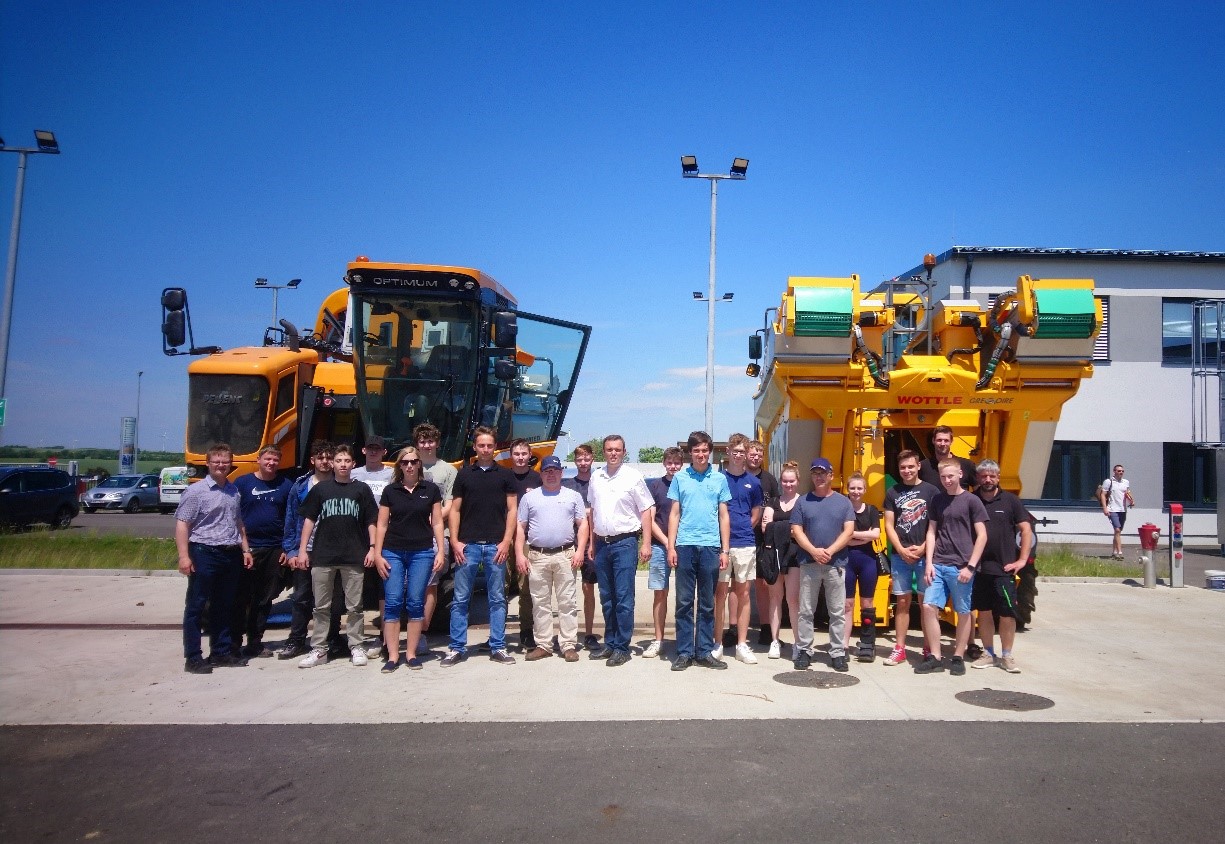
(588,571)
(996,593)
(372,589)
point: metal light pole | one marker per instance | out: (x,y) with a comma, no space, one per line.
(136,444)
(46,144)
(276,289)
(689,170)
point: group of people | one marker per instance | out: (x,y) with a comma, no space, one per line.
(350,536)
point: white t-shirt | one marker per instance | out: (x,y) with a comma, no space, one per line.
(376,480)
(1116,494)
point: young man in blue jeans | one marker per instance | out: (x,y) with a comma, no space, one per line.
(956,537)
(699,536)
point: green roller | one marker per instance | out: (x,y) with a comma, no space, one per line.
(1065,314)
(823,312)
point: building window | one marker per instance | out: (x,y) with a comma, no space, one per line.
(1176,319)
(1189,476)
(1075,470)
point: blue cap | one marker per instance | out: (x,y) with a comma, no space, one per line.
(822,463)
(550,462)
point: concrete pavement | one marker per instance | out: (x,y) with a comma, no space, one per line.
(105,649)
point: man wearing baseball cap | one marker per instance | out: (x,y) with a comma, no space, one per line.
(821,526)
(550,545)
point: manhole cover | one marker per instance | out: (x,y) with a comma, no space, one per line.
(1011,701)
(816,679)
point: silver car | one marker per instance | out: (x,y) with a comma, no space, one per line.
(130,493)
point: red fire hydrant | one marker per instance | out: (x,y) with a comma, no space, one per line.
(1149,533)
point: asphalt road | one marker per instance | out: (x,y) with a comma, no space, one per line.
(719,780)
(117,522)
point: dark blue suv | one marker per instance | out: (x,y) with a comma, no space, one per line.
(30,494)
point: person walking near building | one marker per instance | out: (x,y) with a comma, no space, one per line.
(408,547)
(821,526)
(1115,497)
(551,544)
(621,513)
(482,527)
(956,536)
(338,518)
(584,457)
(660,572)
(262,496)
(442,474)
(907,508)
(213,550)
(699,534)
(995,592)
(744,515)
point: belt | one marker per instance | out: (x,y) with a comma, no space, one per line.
(556,550)
(617,537)
(218,547)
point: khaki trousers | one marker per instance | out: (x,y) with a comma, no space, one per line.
(549,573)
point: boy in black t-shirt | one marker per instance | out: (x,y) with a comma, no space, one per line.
(340,514)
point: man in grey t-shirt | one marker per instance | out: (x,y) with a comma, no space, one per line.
(550,545)
(821,525)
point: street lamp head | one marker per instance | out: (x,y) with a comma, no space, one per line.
(689,166)
(727,297)
(261,282)
(293,282)
(697,294)
(740,168)
(46,141)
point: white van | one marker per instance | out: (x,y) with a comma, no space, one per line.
(170,488)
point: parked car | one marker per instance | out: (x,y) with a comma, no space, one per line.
(171,487)
(30,494)
(130,493)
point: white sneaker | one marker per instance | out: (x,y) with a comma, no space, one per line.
(745,654)
(652,650)
(776,650)
(375,651)
(423,647)
(317,656)
(358,655)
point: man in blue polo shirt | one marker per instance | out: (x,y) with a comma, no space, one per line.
(699,534)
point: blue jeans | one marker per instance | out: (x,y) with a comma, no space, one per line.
(476,555)
(616,566)
(215,583)
(405,584)
(697,570)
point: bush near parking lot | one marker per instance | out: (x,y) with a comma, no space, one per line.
(43,549)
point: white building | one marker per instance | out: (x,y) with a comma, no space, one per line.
(1137,407)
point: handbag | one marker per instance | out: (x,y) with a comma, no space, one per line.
(767,564)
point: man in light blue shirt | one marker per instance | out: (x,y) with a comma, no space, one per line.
(699,536)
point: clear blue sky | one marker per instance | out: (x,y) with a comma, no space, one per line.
(207,144)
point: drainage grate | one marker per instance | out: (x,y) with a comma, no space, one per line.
(1011,701)
(816,679)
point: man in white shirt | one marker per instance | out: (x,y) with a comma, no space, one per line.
(1115,495)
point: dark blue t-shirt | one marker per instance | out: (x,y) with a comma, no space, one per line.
(262,504)
(746,494)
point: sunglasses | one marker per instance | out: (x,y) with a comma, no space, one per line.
(409,462)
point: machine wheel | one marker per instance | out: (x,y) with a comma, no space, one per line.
(62,519)
(133,506)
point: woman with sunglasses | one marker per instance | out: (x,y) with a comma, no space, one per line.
(408,545)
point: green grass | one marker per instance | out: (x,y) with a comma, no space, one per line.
(45,549)
(1058,560)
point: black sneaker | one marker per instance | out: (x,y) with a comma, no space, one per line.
(973,651)
(197,665)
(839,663)
(682,662)
(453,658)
(591,642)
(502,658)
(602,653)
(802,660)
(290,651)
(765,636)
(711,661)
(618,658)
(957,667)
(930,665)
(227,661)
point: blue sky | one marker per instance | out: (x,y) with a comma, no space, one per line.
(205,145)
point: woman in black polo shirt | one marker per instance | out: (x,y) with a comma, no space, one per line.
(407,547)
